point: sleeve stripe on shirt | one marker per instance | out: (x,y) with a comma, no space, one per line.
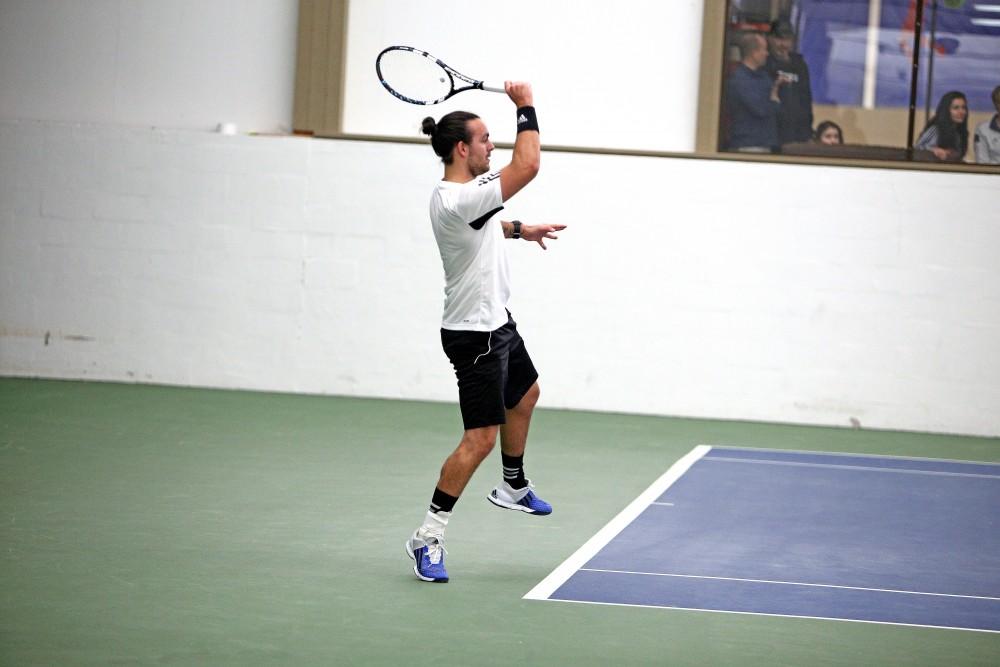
(478,223)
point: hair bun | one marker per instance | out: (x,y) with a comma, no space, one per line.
(429,127)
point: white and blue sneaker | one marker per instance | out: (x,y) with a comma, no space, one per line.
(522,500)
(428,557)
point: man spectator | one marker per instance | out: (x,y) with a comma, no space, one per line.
(795,117)
(987,141)
(752,99)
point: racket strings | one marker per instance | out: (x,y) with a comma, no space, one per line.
(414,76)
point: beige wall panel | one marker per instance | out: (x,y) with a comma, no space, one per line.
(319,66)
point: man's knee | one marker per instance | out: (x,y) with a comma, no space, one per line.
(480,440)
(530,398)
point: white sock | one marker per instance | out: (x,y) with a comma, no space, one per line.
(434,525)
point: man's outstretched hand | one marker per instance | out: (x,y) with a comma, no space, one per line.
(538,233)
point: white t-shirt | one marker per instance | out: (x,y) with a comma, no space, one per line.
(470,239)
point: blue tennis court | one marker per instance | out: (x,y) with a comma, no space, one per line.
(818,535)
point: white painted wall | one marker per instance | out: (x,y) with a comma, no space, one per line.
(176,63)
(684,287)
(194,64)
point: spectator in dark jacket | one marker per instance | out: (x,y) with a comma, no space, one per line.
(795,117)
(752,99)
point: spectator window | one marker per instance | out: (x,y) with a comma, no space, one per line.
(850,65)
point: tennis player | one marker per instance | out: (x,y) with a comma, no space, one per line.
(497,383)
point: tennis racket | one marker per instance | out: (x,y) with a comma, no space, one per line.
(417,77)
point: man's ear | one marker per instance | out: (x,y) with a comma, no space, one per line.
(461,149)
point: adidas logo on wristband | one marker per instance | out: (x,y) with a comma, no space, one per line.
(526,119)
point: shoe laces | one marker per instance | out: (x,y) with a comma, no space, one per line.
(435,551)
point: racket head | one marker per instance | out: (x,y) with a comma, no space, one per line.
(417,77)
(413,75)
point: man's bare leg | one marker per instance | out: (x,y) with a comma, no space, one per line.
(515,493)
(426,544)
(514,434)
(458,468)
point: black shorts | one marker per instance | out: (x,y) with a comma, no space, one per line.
(493,369)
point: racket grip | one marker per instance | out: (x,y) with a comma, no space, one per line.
(493,87)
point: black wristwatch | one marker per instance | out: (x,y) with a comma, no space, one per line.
(517,229)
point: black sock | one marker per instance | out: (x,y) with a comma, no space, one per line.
(442,502)
(513,471)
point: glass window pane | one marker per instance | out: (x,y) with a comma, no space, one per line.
(850,62)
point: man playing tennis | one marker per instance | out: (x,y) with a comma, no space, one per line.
(497,383)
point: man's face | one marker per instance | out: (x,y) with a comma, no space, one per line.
(480,147)
(758,55)
(780,46)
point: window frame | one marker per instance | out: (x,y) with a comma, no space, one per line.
(319,96)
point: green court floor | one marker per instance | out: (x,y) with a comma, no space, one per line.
(170,526)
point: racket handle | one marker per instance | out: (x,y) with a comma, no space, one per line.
(493,87)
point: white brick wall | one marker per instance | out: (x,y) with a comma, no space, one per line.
(684,287)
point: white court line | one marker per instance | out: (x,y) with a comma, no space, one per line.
(558,576)
(789,583)
(854,455)
(663,504)
(761,613)
(908,471)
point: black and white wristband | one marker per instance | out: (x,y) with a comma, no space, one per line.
(516,234)
(526,119)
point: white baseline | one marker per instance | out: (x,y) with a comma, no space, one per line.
(558,576)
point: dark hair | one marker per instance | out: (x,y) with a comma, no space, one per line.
(444,134)
(950,134)
(782,28)
(826,125)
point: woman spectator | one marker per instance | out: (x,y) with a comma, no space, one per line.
(947,132)
(829,133)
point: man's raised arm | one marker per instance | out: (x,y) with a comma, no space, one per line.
(527,146)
